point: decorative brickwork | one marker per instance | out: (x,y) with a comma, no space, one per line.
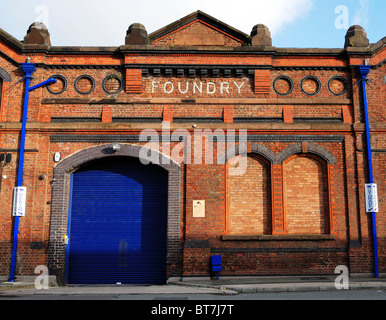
(262,82)
(298,208)
(4,75)
(133,81)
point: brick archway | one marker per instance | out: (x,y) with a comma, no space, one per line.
(60,197)
(279,158)
(312,148)
(5,75)
(256,148)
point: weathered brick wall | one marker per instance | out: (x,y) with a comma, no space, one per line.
(307,160)
(34,228)
(197,33)
(377,113)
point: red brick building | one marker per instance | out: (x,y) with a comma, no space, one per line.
(96,214)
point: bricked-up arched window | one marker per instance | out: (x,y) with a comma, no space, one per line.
(306,195)
(248,197)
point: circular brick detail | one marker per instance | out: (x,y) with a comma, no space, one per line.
(60,86)
(283,85)
(338,86)
(311,85)
(112,84)
(84,84)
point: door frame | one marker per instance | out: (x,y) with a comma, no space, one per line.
(61,200)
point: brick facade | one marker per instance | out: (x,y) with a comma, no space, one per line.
(298,208)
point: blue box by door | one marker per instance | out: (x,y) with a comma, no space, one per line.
(216,264)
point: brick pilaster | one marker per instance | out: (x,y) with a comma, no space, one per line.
(288,115)
(278,221)
(45,113)
(262,81)
(228,114)
(107,113)
(346,114)
(133,81)
(168,114)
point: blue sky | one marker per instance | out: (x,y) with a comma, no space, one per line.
(293,23)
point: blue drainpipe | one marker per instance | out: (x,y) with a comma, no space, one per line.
(364,71)
(29,69)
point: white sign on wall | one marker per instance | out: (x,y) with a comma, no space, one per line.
(199,208)
(371,195)
(57,157)
(19,200)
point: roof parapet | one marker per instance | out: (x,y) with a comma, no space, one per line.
(261,36)
(356,37)
(37,35)
(137,35)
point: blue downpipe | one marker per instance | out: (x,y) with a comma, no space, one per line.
(364,71)
(29,69)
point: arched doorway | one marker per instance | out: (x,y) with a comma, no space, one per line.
(117,223)
(166,171)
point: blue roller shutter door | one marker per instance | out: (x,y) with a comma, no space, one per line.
(117,224)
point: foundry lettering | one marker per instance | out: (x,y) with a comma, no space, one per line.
(186,87)
(210,88)
(239,86)
(197,87)
(224,86)
(160,310)
(169,87)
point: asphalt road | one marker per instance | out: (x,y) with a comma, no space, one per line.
(25,294)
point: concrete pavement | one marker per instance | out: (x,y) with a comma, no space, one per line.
(286,284)
(224,286)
